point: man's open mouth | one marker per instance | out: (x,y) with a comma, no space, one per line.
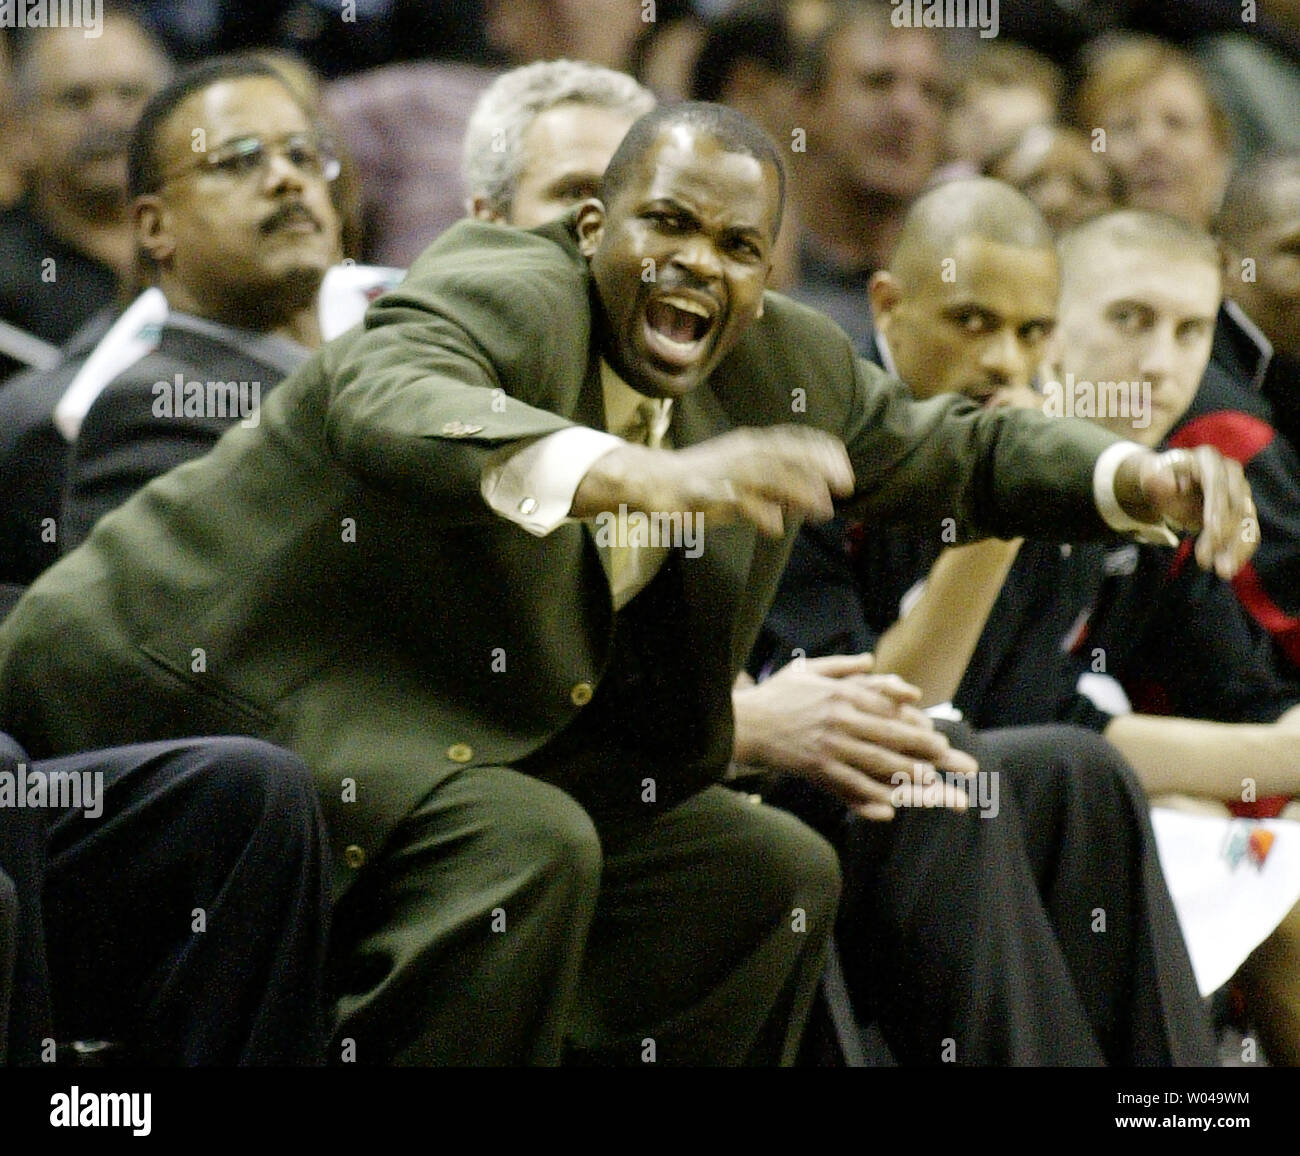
(677,327)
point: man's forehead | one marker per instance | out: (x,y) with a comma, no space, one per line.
(574,120)
(239,106)
(1159,280)
(695,167)
(573,137)
(65,57)
(1013,280)
(863,45)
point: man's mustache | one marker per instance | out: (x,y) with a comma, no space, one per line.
(100,144)
(287,214)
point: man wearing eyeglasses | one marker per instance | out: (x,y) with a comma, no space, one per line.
(230,183)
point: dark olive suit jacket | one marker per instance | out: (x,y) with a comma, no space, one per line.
(333,580)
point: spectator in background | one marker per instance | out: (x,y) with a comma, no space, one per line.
(540,137)
(1165,132)
(874,103)
(1005,90)
(404,123)
(238,238)
(66,247)
(668,49)
(1055,167)
(748,63)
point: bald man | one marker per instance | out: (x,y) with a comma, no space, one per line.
(957,928)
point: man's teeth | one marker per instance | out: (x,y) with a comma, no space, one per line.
(686,305)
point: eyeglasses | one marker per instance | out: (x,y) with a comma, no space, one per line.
(241,158)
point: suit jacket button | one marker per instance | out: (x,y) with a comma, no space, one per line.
(354,856)
(460,752)
(581,693)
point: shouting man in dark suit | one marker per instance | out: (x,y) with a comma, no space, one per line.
(421,571)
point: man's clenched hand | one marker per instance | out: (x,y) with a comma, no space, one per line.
(1194,489)
(763,475)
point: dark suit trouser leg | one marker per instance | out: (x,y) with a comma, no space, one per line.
(462,944)
(989,932)
(230,827)
(710,936)
(1088,832)
(465,943)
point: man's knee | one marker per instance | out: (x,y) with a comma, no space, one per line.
(250,777)
(542,829)
(791,866)
(1049,768)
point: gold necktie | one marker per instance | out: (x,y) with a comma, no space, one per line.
(632,563)
(647,425)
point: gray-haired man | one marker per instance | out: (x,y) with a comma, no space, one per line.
(540,137)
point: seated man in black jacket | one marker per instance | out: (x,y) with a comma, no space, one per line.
(239,236)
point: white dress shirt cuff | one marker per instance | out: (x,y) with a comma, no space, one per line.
(1103,491)
(534,486)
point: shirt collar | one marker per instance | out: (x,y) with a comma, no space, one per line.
(1255,336)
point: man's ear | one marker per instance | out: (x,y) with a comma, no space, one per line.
(884,294)
(153,234)
(589,221)
(477,207)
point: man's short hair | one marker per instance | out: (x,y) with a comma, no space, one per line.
(143,171)
(493,156)
(814,34)
(970,207)
(1147,230)
(734,131)
(1122,65)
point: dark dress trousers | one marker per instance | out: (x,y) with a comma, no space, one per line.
(187,923)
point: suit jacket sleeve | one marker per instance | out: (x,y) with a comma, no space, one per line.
(485,343)
(994,472)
